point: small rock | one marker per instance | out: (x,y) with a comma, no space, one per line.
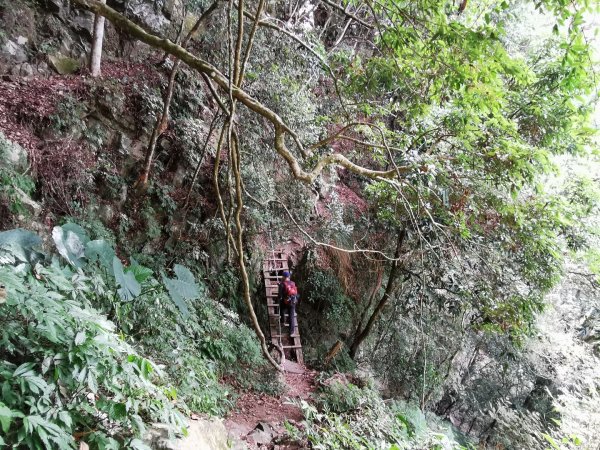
(13,155)
(263,433)
(171,9)
(124,144)
(261,437)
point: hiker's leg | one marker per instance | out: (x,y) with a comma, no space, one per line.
(292,318)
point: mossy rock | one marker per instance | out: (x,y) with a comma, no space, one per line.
(63,64)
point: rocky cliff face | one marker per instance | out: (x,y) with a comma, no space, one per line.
(45,36)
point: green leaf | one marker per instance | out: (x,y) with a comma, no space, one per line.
(99,250)
(6,416)
(184,274)
(80,338)
(551,441)
(140,272)
(130,288)
(118,411)
(65,418)
(24,369)
(70,240)
(19,246)
(182,288)
(137,444)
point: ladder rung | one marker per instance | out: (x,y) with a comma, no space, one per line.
(291,346)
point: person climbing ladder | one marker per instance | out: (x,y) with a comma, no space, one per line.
(288,300)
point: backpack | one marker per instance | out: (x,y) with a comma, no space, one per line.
(290,292)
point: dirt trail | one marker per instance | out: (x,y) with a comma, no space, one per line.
(252,409)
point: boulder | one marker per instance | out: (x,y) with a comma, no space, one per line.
(12,50)
(23,70)
(32,207)
(12,155)
(66,44)
(172,9)
(263,434)
(203,434)
(64,65)
(83,23)
(58,7)
(147,15)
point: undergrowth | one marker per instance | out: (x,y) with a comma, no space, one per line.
(96,349)
(349,417)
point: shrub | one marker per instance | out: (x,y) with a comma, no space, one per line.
(67,370)
(64,369)
(14,184)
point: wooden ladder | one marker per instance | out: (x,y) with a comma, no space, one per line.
(273,267)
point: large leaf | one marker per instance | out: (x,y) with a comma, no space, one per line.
(19,246)
(141,273)
(99,250)
(129,287)
(182,288)
(70,240)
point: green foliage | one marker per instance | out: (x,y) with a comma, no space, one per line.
(181,288)
(64,369)
(70,240)
(19,246)
(15,184)
(349,417)
(593,259)
(129,288)
(69,116)
(336,309)
(153,227)
(195,348)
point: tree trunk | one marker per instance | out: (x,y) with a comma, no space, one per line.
(361,335)
(96,54)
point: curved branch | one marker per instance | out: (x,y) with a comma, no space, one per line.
(348,14)
(280,127)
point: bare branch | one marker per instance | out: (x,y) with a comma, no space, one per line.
(348,14)
(312,239)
